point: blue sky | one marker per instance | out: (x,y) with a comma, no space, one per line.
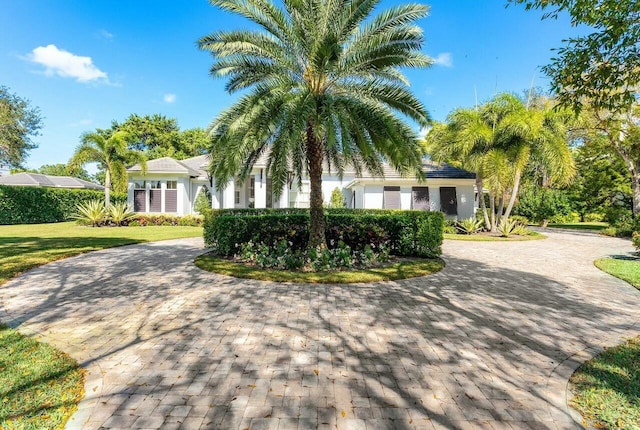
(86,63)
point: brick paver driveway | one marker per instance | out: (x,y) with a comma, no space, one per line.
(489,342)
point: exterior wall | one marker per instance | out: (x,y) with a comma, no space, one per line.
(466,201)
(330,183)
(373,197)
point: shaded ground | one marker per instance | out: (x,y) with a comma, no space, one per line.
(489,342)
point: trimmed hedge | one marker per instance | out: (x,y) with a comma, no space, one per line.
(166,220)
(35,205)
(406,233)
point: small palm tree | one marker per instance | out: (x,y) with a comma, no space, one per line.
(498,141)
(324,87)
(111,153)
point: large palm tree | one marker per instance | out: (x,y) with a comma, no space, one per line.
(324,87)
(110,151)
(498,141)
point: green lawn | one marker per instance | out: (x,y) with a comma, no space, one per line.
(401,270)
(486,238)
(39,385)
(25,246)
(607,389)
(627,269)
(595,226)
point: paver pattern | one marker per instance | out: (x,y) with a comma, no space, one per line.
(489,342)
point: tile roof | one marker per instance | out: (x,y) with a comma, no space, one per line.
(170,165)
(40,180)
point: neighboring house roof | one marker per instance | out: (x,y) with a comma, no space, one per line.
(38,180)
(190,166)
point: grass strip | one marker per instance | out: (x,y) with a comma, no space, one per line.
(627,269)
(607,388)
(534,235)
(400,270)
(40,386)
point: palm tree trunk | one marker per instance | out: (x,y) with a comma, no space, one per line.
(499,211)
(315,155)
(492,205)
(107,188)
(635,181)
(483,206)
(514,193)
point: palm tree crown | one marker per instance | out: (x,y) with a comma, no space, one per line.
(111,153)
(498,141)
(324,86)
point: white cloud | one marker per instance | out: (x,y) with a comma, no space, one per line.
(82,122)
(169,98)
(443,59)
(105,34)
(67,65)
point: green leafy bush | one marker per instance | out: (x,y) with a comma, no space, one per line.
(469,225)
(507,227)
(166,220)
(540,205)
(91,213)
(282,257)
(522,220)
(593,217)
(337,199)
(120,213)
(521,230)
(635,239)
(203,201)
(34,205)
(405,233)
(450,227)
(569,218)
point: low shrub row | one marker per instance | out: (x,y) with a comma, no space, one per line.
(35,205)
(170,220)
(624,226)
(403,233)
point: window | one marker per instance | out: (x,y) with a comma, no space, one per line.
(448,200)
(391,197)
(140,185)
(155,185)
(140,196)
(252,188)
(237,193)
(172,185)
(420,198)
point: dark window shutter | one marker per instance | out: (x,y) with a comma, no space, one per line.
(420,198)
(171,200)
(139,200)
(155,200)
(391,197)
(448,200)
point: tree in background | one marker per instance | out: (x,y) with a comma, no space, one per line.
(600,69)
(499,141)
(110,151)
(158,136)
(337,199)
(600,73)
(19,122)
(323,83)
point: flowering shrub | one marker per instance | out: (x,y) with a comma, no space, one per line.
(167,220)
(282,256)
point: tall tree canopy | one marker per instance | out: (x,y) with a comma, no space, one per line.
(602,68)
(158,136)
(498,141)
(59,169)
(323,84)
(110,151)
(19,122)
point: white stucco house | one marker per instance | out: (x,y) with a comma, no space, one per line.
(171,186)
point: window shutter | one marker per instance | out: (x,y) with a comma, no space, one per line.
(391,197)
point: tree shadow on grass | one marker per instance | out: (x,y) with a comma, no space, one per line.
(473,343)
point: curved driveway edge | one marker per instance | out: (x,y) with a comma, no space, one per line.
(489,342)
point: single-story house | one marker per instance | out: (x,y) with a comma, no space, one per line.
(172,186)
(26,179)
